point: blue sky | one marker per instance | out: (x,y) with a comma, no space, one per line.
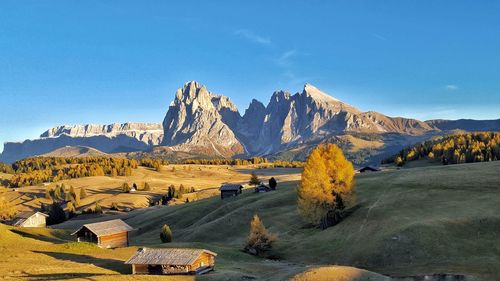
(71,62)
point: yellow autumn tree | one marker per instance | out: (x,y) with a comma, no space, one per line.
(259,240)
(326,187)
(8,210)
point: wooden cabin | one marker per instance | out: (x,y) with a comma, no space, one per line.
(167,261)
(230,190)
(30,219)
(106,234)
(368,169)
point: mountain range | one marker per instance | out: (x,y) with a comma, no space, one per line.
(200,123)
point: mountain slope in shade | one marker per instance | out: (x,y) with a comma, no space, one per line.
(465,124)
(107,138)
(75,151)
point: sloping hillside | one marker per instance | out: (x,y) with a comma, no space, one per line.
(205,179)
(442,219)
(43,254)
(74,151)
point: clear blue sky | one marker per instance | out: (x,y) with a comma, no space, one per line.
(71,62)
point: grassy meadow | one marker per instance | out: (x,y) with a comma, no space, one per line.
(206,179)
(409,222)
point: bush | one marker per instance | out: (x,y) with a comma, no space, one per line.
(273,183)
(83,192)
(166,234)
(7,210)
(254,179)
(56,214)
(125,187)
(97,209)
(114,206)
(259,241)
(71,209)
(48,193)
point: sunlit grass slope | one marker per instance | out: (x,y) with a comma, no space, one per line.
(441,219)
(44,254)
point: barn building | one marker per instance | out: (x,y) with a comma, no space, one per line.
(172,261)
(230,190)
(30,219)
(106,234)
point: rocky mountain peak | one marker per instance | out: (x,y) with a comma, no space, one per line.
(316,94)
(255,106)
(279,96)
(222,102)
(200,121)
(195,94)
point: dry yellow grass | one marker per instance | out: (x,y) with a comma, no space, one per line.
(204,178)
(5,176)
(339,273)
(359,144)
(40,254)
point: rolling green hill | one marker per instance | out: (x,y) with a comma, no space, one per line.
(440,219)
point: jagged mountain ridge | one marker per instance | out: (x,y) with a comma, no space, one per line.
(203,122)
(146,132)
(206,124)
(106,138)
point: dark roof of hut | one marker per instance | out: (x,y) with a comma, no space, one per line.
(230,187)
(106,227)
(369,168)
(171,256)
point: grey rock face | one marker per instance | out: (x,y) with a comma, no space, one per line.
(106,138)
(149,133)
(289,120)
(202,122)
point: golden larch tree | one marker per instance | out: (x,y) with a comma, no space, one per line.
(259,240)
(326,187)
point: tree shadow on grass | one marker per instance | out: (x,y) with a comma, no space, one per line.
(59,276)
(56,238)
(110,264)
(345,215)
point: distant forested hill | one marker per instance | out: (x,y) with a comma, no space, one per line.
(453,149)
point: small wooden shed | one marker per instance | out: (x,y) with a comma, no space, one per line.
(106,234)
(230,190)
(30,219)
(172,261)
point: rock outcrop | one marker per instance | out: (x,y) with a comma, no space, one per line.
(201,122)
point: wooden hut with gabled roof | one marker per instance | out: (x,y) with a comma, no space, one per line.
(30,219)
(106,234)
(167,261)
(230,190)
